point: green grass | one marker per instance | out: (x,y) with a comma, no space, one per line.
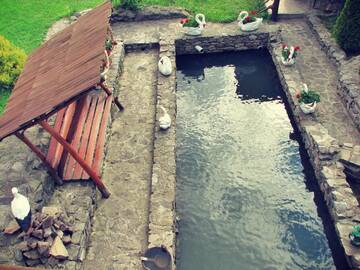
(214,10)
(4,96)
(328,21)
(25,22)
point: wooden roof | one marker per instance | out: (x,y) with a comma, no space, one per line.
(60,70)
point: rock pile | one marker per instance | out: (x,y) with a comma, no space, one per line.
(50,232)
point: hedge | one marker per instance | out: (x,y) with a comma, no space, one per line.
(347,27)
(12,61)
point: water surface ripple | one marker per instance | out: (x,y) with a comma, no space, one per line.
(242,197)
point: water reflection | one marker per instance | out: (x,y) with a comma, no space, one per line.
(241,192)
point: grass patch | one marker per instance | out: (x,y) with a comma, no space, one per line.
(4,96)
(214,10)
(328,21)
(25,22)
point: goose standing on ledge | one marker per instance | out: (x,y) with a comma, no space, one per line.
(165,120)
(20,208)
(165,66)
(196,31)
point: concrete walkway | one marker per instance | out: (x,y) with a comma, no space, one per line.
(120,225)
(320,74)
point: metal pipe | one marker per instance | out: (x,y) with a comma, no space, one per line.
(199,49)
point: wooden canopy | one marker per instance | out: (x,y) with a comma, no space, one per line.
(58,75)
(60,70)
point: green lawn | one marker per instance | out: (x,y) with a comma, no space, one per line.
(25,22)
(214,10)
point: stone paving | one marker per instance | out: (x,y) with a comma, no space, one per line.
(120,224)
(320,74)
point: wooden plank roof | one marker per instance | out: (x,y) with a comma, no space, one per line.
(61,69)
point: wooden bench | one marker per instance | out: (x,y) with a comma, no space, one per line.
(83,123)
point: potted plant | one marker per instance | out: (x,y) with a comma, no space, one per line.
(193,26)
(288,54)
(355,236)
(249,21)
(307,99)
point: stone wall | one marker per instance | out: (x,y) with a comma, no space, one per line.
(324,152)
(348,68)
(147,14)
(215,44)
(163,180)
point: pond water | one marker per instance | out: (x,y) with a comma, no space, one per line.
(246,195)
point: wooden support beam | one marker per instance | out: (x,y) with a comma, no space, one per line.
(41,155)
(275,10)
(104,191)
(16,267)
(110,93)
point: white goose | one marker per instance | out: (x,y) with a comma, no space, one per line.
(252,26)
(196,31)
(165,66)
(20,208)
(165,120)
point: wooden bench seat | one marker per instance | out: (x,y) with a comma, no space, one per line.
(83,123)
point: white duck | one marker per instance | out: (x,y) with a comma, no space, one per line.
(165,120)
(20,208)
(252,26)
(165,66)
(307,108)
(196,31)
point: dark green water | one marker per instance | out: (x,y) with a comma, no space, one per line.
(246,196)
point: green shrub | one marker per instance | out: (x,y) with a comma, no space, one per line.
(12,61)
(131,4)
(347,27)
(309,97)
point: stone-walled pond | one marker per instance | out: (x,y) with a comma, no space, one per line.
(247,197)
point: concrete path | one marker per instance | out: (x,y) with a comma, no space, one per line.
(120,225)
(294,6)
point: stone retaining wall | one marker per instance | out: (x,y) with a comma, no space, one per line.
(348,68)
(147,14)
(324,152)
(216,44)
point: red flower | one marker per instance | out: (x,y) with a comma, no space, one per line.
(253,12)
(297,48)
(248,19)
(298,94)
(284,46)
(183,21)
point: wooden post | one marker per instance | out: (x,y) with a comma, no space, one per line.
(104,192)
(109,93)
(275,10)
(40,154)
